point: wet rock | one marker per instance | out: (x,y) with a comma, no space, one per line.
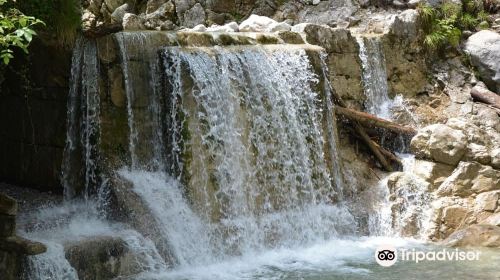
(440,143)
(483,50)
(102,257)
(337,40)
(22,246)
(469,178)
(107,49)
(132,22)
(474,236)
(256,23)
(119,13)
(433,172)
(194,16)
(112,5)
(290,37)
(7,225)
(8,205)
(117,90)
(326,12)
(487,201)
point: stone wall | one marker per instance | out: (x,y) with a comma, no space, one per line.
(33,117)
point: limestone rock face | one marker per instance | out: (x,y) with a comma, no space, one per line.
(483,49)
(440,143)
(119,13)
(493,220)
(469,178)
(487,201)
(475,235)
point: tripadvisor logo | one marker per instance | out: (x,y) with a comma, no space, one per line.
(387,255)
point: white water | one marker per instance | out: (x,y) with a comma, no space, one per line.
(375,85)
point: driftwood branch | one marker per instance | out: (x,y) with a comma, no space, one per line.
(371,120)
(102,30)
(484,95)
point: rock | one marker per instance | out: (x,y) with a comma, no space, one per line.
(336,40)
(119,13)
(493,220)
(165,11)
(132,22)
(290,37)
(88,20)
(495,158)
(230,27)
(432,172)
(199,28)
(477,153)
(106,49)
(154,5)
(102,257)
(94,6)
(474,236)
(483,49)
(315,2)
(469,178)
(256,23)
(117,91)
(22,246)
(329,12)
(412,4)
(8,205)
(278,26)
(454,216)
(440,143)
(7,225)
(112,5)
(405,25)
(194,16)
(487,201)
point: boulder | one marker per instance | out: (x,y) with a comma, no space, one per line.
(405,25)
(278,26)
(483,49)
(7,225)
(112,5)
(100,257)
(194,16)
(487,201)
(132,22)
(432,172)
(256,23)
(474,236)
(469,178)
(199,28)
(441,143)
(495,158)
(119,13)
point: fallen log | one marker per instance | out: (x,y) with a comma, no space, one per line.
(484,95)
(371,120)
(102,30)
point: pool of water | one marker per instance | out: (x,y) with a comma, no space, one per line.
(350,258)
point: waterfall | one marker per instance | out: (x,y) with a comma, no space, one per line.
(251,162)
(79,169)
(374,77)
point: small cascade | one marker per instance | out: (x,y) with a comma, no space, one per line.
(375,85)
(79,169)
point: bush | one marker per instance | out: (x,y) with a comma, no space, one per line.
(443,25)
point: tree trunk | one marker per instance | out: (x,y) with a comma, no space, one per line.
(371,120)
(484,95)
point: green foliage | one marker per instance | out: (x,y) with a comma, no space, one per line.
(63,17)
(443,25)
(16,30)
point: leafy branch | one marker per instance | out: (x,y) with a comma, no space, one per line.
(16,30)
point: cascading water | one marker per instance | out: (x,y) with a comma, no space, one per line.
(375,85)
(249,150)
